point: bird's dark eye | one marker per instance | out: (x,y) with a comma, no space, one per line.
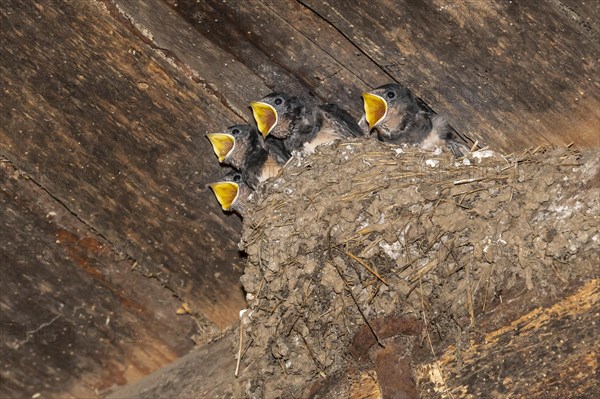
(278,101)
(391,95)
(235,131)
(237,178)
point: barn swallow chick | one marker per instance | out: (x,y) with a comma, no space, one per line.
(276,149)
(232,193)
(299,126)
(400,117)
(242,147)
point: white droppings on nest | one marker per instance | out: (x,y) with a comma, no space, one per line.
(481,154)
(418,208)
(488,242)
(364,223)
(348,149)
(278,182)
(432,163)
(564,211)
(246,313)
(500,240)
(393,250)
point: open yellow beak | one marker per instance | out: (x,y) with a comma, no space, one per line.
(226,193)
(375,109)
(222,144)
(265,116)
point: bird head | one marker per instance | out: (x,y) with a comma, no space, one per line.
(235,144)
(232,192)
(227,191)
(222,144)
(275,113)
(386,101)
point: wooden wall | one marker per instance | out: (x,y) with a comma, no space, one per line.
(106,225)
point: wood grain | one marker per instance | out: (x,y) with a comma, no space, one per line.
(72,310)
(549,352)
(511,75)
(103,112)
(111,133)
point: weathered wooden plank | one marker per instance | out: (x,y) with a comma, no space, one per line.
(207,372)
(329,40)
(210,18)
(212,66)
(115,132)
(74,319)
(585,14)
(509,74)
(549,352)
(290,47)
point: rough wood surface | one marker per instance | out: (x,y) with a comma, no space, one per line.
(207,63)
(105,105)
(549,352)
(72,310)
(288,46)
(509,74)
(114,135)
(206,372)
(117,135)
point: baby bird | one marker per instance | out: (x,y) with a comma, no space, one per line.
(232,192)
(242,147)
(302,127)
(398,117)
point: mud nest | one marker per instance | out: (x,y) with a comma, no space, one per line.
(360,231)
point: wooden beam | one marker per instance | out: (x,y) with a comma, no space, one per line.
(116,133)
(208,64)
(512,75)
(289,46)
(207,372)
(551,351)
(72,310)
